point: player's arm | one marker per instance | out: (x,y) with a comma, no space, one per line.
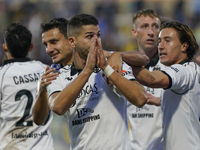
(62,101)
(135,58)
(132,58)
(154,79)
(41,109)
(132,90)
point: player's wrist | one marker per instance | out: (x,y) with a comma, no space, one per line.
(108,70)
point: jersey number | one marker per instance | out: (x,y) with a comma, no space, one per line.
(22,122)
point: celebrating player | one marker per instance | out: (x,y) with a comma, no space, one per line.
(19,76)
(95,112)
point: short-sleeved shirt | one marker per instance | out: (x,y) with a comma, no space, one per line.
(146,122)
(18,86)
(98,118)
(181,107)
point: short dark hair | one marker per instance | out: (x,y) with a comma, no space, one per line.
(76,22)
(185,35)
(18,40)
(60,23)
(146,12)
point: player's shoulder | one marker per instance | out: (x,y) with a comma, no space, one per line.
(188,65)
(39,63)
(66,69)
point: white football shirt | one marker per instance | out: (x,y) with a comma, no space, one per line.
(98,118)
(181,107)
(146,122)
(18,86)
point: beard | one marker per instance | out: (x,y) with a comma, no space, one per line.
(82,51)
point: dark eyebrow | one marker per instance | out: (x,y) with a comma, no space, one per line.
(92,32)
(167,37)
(53,39)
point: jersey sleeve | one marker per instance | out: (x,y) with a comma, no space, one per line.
(127,72)
(181,78)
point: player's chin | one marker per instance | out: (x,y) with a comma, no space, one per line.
(164,62)
(56,61)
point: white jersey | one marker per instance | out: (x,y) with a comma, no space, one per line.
(146,122)
(18,86)
(181,107)
(97,120)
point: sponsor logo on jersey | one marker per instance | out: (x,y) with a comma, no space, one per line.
(30,135)
(86,120)
(175,69)
(88,90)
(142,115)
(26,78)
(83,111)
(126,72)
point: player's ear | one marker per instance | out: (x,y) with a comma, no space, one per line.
(72,41)
(31,47)
(134,33)
(6,51)
(184,47)
(5,48)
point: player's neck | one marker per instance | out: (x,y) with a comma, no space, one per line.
(8,56)
(150,52)
(68,60)
(78,62)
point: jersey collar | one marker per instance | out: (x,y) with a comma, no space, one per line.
(153,61)
(74,70)
(16,60)
(184,61)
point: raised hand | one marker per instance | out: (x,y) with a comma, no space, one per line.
(47,78)
(101,60)
(91,58)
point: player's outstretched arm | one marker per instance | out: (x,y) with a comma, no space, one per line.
(154,79)
(41,109)
(132,58)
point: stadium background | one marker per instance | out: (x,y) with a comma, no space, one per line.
(115,18)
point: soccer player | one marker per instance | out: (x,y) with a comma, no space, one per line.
(146,26)
(95,112)
(54,37)
(19,76)
(180,100)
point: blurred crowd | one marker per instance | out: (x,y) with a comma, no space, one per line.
(115,18)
